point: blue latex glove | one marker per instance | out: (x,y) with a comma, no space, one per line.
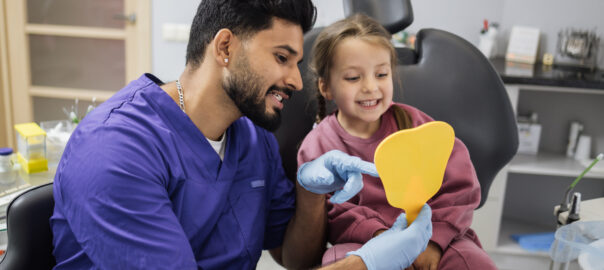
(398,247)
(335,171)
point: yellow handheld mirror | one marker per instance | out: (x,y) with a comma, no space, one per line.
(412,163)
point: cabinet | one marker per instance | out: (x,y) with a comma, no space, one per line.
(524,193)
(46,52)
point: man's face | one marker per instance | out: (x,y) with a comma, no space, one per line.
(265,72)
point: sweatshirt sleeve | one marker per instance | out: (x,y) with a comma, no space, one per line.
(454,204)
(352,223)
(348,222)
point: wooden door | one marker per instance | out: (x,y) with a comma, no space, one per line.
(60,50)
(5,100)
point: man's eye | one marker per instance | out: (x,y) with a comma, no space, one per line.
(352,79)
(281,58)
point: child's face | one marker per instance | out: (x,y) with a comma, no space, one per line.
(360,83)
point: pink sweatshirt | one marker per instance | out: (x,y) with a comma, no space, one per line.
(356,220)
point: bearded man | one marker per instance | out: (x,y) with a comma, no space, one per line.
(186,174)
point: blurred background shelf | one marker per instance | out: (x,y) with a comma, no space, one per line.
(551,164)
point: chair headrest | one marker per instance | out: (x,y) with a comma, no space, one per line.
(394,15)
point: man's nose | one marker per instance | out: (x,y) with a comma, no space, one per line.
(294,79)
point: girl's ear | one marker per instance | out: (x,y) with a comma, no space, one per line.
(324,89)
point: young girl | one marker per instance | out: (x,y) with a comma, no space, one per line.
(354,62)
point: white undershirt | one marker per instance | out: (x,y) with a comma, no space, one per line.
(219,146)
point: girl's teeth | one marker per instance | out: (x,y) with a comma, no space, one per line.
(368,103)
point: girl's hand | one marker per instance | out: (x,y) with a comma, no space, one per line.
(429,259)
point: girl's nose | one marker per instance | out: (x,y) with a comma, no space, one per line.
(370,85)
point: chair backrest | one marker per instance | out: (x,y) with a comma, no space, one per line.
(29,233)
(394,15)
(445,76)
(452,81)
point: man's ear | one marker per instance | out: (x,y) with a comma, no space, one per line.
(224,43)
(324,89)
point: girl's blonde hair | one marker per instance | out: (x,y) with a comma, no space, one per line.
(358,26)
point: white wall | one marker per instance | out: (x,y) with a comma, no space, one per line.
(168,57)
(328,11)
(462,17)
(452,16)
(553,15)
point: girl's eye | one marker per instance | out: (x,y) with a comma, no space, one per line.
(352,79)
(381,75)
(281,58)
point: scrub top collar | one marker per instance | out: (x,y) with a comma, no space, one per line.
(174,116)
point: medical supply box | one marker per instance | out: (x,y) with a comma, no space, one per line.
(31,145)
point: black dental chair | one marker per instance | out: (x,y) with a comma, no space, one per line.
(445,76)
(29,234)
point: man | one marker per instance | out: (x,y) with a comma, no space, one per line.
(171,176)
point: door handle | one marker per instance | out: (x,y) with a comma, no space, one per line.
(130,18)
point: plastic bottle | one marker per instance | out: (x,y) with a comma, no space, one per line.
(7,172)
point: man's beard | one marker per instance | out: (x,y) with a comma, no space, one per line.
(244,87)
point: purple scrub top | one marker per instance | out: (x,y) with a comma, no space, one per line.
(140,187)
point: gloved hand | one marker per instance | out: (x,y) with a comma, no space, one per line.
(398,247)
(335,171)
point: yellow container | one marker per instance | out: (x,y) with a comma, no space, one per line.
(31,142)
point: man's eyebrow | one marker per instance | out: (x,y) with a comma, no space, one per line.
(288,48)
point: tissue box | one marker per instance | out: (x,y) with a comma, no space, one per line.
(528,138)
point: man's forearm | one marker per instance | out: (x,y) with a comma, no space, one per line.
(305,237)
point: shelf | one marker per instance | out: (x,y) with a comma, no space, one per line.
(506,245)
(510,256)
(560,89)
(552,164)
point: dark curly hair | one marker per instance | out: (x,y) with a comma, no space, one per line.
(243,18)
